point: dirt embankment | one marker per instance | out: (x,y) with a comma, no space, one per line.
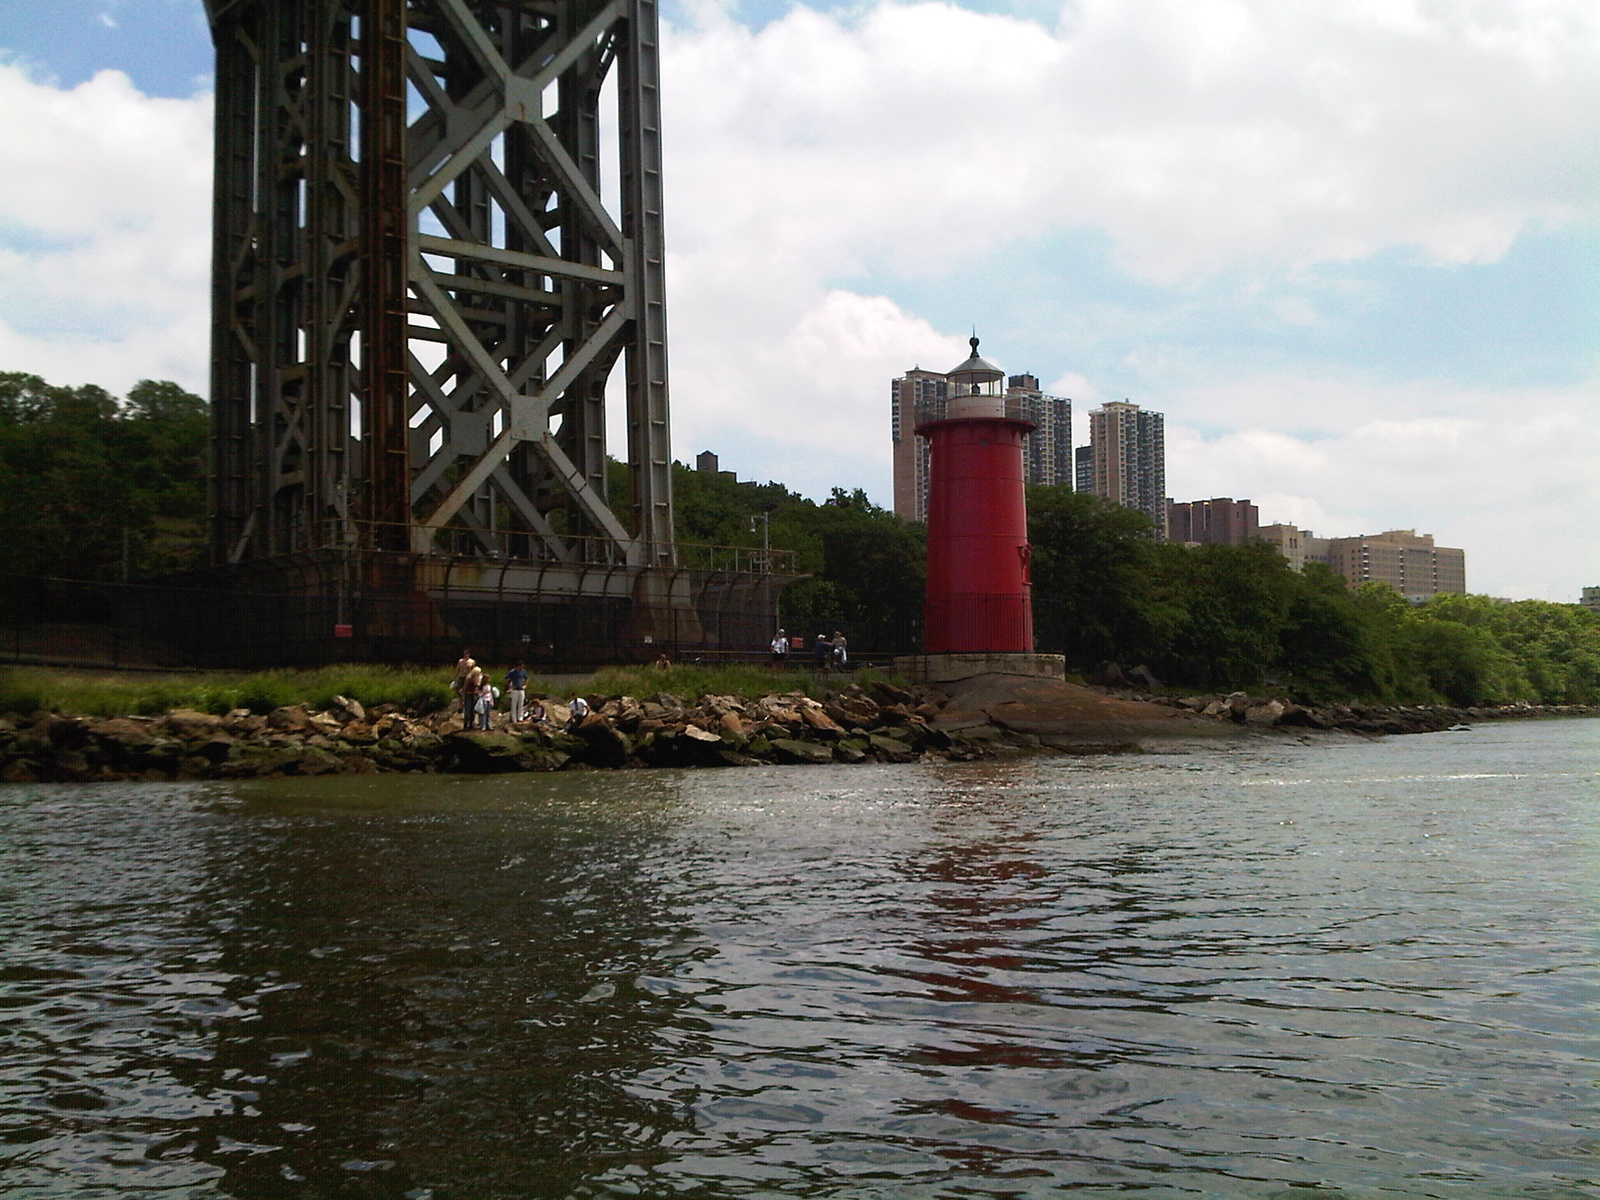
(984,717)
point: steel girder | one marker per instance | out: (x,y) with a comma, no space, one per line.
(418,293)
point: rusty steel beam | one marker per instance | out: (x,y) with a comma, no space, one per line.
(385,371)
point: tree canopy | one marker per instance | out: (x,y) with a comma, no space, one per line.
(91,485)
(88,482)
(1238,617)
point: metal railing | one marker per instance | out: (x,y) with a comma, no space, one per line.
(925,411)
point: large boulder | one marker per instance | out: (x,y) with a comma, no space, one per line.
(1268,712)
(122,741)
(890,749)
(624,712)
(791,750)
(291,718)
(63,733)
(888,693)
(1108,674)
(1294,714)
(821,724)
(188,723)
(346,710)
(218,748)
(314,761)
(731,726)
(606,745)
(852,712)
(478,753)
(325,724)
(1142,677)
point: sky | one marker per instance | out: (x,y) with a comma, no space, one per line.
(1350,248)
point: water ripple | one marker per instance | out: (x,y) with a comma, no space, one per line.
(1355,971)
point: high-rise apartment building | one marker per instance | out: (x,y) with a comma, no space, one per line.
(1591,599)
(916,395)
(920,395)
(1220,521)
(1407,561)
(1047,451)
(1128,459)
(1083,469)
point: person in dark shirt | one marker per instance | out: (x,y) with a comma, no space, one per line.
(516,692)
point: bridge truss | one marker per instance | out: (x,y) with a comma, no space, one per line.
(423,280)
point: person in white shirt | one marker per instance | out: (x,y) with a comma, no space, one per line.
(580,710)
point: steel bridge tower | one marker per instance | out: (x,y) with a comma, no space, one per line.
(420,290)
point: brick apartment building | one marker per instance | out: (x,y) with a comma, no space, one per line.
(1220,521)
(1407,561)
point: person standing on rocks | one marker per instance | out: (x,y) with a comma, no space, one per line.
(471,686)
(487,695)
(516,694)
(464,667)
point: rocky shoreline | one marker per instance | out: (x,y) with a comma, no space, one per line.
(876,723)
(1266,711)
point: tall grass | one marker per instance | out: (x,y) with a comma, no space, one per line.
(30,689)
(418,690)
(692,682)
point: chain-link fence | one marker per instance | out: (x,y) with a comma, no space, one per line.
(309,614)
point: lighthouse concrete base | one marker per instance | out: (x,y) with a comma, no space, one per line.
(947,668)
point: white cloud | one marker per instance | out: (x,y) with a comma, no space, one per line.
(1192,135)
(1195,135)
(104,231)
(1515,483)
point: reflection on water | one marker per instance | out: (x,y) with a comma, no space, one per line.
(1363,969)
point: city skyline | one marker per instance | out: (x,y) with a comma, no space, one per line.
(920,395)
(1350,252)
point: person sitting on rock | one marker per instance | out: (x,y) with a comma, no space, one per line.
(580,710)
(535,712)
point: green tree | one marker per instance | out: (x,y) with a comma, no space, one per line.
(1093,579)
(1331,646)
(871,578)
(1232,603)
(84,480)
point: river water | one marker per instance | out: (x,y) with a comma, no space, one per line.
(1359,969)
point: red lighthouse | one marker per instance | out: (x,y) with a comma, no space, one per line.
(979,598)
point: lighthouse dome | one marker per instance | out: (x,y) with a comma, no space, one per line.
(976,370)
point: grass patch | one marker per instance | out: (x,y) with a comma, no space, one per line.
(30,689)
(418,690)
(692,682)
